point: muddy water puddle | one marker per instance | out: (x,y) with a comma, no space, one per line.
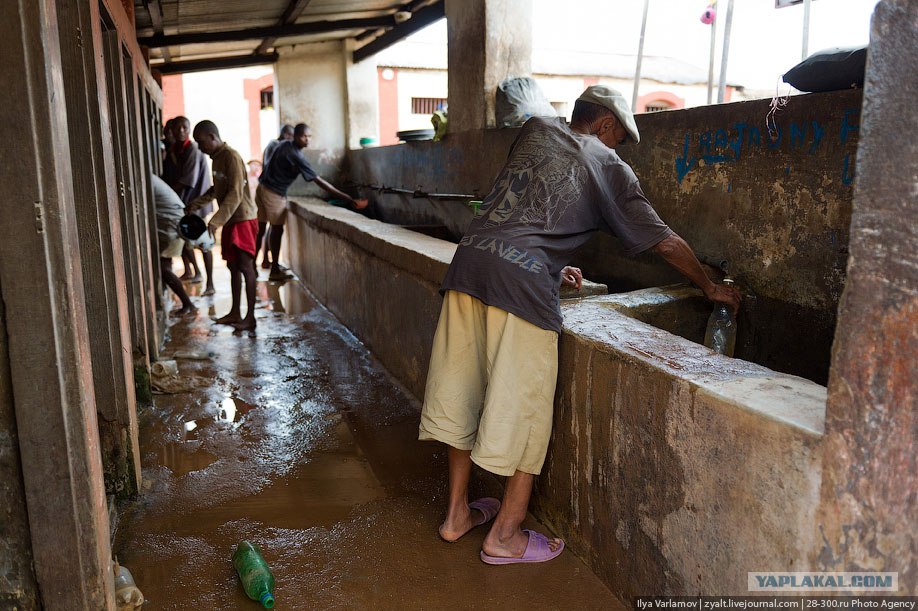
(187,455)
(305,446)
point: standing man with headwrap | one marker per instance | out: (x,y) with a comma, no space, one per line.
(185,170)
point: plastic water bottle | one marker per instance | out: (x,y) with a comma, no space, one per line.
(127,595)
(256,577)
(720,335)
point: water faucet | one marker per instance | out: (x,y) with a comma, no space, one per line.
(715,262)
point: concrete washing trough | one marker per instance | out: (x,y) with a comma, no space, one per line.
(672,469)
(677,470)
(771,333)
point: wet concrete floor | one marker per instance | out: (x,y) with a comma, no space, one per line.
(298,440)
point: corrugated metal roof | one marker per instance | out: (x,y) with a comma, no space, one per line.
(158,20)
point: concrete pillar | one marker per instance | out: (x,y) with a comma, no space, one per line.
(99,229)
(489,40)
(311,88)
(361,97)
(45,321)
(869,508)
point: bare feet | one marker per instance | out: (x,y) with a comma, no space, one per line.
(474,514)
(229,319)
(513,546)
(208,291)
(265,264)
(247,324)
(187,275)
(196,279)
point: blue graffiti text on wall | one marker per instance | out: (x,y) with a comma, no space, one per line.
(728,145)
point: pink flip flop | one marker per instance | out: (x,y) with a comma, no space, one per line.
(488,506)
(537,550)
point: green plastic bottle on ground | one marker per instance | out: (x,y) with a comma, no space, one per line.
(254,573)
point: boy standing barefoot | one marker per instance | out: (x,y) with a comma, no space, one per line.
(236,214)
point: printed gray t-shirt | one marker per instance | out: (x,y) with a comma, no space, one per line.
(555,190)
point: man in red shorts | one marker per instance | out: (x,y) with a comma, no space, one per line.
(236,214)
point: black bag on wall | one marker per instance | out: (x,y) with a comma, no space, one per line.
(829,70)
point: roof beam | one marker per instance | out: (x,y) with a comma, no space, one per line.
(293,29)
(367,34)
(216,63)
(156,16)
(418,21)
(291,14)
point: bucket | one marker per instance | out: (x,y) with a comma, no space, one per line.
(193,230)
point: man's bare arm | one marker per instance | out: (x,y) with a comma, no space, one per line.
(337,194)
(675,251)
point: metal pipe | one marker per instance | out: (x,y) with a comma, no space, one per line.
(806,29)
(711,59)
(715,262)
(640,59)
(417,193)
(722,88)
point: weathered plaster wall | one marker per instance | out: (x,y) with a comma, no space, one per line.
(777,209)
(362,97)
(672,470)
(17,580)
(312,89)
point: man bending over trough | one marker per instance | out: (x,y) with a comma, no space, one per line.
(494,363)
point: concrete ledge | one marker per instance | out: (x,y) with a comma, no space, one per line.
(785,398)
(422,255)
(672,469)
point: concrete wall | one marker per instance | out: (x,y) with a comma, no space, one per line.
(380,280)
(672,470)
(311,88)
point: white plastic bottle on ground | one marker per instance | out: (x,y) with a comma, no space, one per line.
(127,595)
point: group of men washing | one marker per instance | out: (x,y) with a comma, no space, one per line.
(189,186)
(493,368)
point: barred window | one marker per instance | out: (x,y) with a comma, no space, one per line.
(426,106)
(657,106)
(267,98)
